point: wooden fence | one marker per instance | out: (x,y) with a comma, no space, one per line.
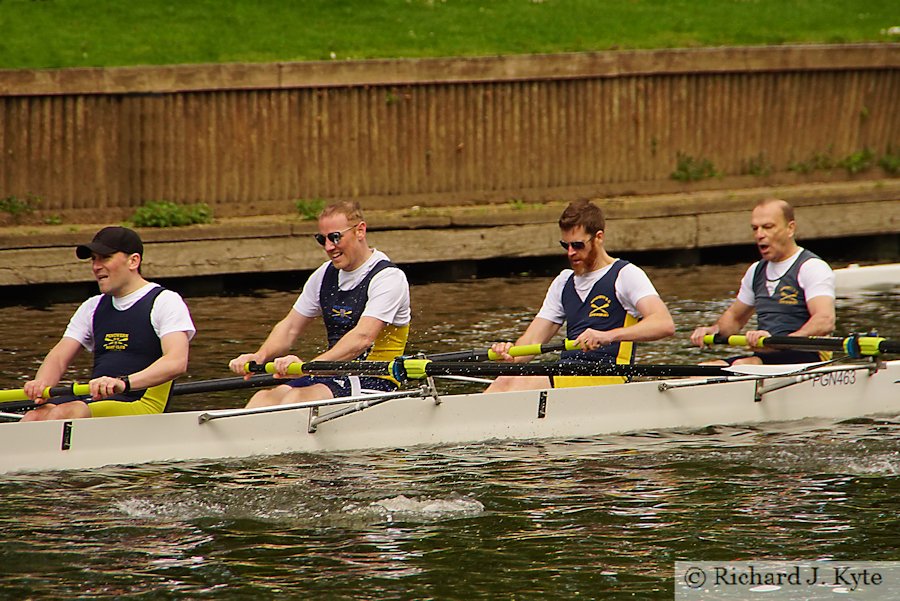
(253,138)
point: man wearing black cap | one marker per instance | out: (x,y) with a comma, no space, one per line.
(138,331)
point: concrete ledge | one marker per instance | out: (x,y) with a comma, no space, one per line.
(45,255)
(160,79)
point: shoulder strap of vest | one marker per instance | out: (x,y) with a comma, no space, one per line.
(617,266)
(380,266)
(805,255)
(570,284)
(760,269)
(151,296)
(106,299)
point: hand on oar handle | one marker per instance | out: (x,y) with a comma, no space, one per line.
(35,389)
(591,339)
(506,352)
(283,366)
(20,394)
(239,364)
(699,337)
(107,386)
(499,351)
(734,340)
(290,369)
(755,337)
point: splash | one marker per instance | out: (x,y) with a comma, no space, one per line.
(404,508)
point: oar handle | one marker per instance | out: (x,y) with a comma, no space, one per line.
(49,392)
(525,350)
(294,369)
(855,345)
(522,350)
(736,340)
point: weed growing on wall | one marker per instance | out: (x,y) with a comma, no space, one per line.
(859,161)
(169,214)
(19,207)
(890,161)
(690,169)
(309,209)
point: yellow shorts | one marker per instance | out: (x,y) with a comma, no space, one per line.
(154,400)
(575,381)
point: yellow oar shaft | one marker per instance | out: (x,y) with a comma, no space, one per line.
(294,369)
(19,393)
(525,350)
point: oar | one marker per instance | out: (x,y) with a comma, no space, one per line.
(18,394)
(523,350)
(16,400)
(403,369)
(235,383)
(855,345)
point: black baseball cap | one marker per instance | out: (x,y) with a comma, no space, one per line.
(111,240)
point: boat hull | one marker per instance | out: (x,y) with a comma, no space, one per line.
(867,278)
(559,413)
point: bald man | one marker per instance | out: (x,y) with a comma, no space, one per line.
(790,289)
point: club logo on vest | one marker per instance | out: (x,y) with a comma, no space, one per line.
(115,341)
(342,313)
(599,304)
(788,295)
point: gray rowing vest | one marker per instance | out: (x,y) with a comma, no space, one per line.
(784,311)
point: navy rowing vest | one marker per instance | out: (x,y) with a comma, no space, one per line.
(785,310)
(341,309)
(600,310)
(125,341)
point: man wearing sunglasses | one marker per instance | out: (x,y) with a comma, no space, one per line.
(364,301)
(607,304)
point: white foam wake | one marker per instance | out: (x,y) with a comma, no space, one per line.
(404,508)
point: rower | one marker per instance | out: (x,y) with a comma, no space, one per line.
(138,331)
(790,289)
(364,301)
(607,304)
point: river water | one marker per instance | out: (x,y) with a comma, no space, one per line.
(589,518)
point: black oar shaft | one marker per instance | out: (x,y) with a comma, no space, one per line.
(858,344)
(201,386)
(473,355)
(235,383)
(569,369)
(444,368)
(820,344)
(14,406)
(516,351)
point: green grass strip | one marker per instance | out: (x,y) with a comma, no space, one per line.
(96,33)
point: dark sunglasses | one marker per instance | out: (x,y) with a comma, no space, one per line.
(335,237)
(577,244)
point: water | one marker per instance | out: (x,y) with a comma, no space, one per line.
(588,518)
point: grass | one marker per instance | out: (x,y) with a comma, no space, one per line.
(79,33)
